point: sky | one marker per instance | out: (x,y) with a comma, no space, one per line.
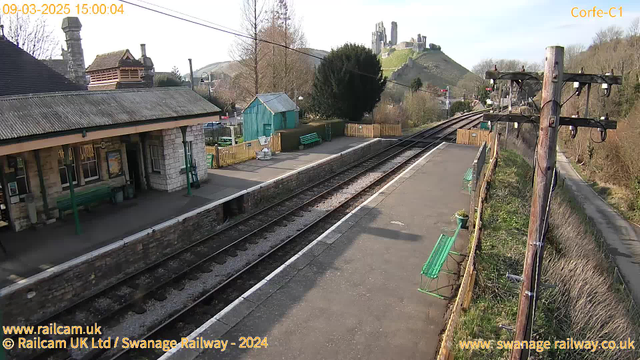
(467,30)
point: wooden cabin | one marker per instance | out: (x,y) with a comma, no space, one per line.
(268,113)
(116,70)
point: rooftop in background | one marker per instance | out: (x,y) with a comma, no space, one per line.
(116,59)
(276,102)
(32,115)
(21,73)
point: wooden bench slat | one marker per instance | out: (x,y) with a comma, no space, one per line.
(84,197)
(309,138)
(432,267)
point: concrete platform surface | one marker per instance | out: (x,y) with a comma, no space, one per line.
(32,251)
(353,293)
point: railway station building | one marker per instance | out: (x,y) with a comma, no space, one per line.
(100,142)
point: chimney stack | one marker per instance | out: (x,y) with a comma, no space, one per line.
(71,27)
(149,71)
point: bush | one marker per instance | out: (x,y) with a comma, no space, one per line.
(460,107)
(421,108)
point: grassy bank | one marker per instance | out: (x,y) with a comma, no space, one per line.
(585,305)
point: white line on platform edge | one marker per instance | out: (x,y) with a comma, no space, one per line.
(257,286)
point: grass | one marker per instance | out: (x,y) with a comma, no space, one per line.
(586,303)
(620,198)
(395,60)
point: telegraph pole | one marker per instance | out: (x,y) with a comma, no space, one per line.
(544,168)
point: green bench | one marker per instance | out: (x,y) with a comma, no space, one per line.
(466,179)
(84,198)
(433,267)
(310,139)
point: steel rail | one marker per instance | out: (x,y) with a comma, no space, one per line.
(300,232)
(141,295)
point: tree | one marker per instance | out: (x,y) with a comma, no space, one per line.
(609,34)
(471,84)
(248,52)
(176,72)
(421,108)
(348,83)
(32,36)
(571,54)
(416,84)
(284,69)
(163,80)
(460,106)
(634,28)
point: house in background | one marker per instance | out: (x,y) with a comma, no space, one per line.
(115,70)
(268,113)
(121,70)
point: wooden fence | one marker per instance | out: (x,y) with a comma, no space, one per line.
(473,136)
(372,130)
(463,299)
(229,155)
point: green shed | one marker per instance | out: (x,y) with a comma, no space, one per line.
(268,113)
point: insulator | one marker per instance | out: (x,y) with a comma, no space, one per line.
(574,131)
(603,134)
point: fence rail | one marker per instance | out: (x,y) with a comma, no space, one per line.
(229,155)
(473,136)
(372,130)
(463,299)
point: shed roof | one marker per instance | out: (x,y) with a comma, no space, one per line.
(276,102)
(21,73)
(120,58)
(31,115)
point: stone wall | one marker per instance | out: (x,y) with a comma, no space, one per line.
(36,298)
(174,156)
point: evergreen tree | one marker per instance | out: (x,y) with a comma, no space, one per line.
(416,84)
(348,83)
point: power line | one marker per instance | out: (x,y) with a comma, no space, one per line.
(220,28)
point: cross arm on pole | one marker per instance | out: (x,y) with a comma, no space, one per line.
(567,77)
(564,120)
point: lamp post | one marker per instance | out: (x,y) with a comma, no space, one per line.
(208,83)
(299,98)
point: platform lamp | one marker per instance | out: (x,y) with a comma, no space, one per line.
(202,76)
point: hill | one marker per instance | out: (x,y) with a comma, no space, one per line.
(433,67)
(232,67)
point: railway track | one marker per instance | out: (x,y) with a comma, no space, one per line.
(166,299)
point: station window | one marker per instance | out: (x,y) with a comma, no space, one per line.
(21,177)
(64,179)
(156,158)
(184,165)
(89,162)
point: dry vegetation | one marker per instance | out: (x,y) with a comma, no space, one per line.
(612,167)
(416,109)
(587,302)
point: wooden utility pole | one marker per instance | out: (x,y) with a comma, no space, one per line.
(544,169)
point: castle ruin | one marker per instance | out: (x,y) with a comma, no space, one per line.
(379,40)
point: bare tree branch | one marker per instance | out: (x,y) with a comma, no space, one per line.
(31,35)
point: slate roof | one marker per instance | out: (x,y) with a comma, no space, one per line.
(113,60)
(276,102)
(21,73)
(61,66)
(30,115)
